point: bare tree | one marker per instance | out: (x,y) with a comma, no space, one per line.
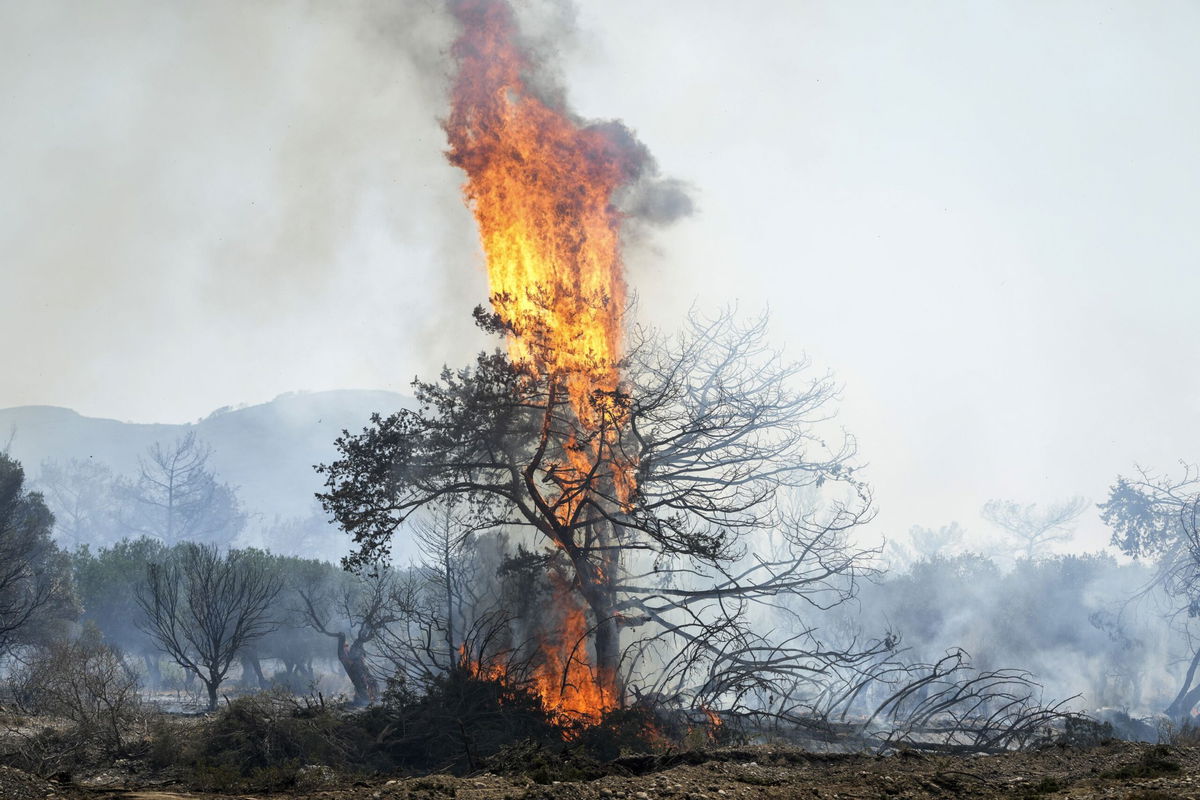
(35,581)
(203,608)
(177,498)
(445,541)
(85,681)
(356,613)
(1033,530)
(80,492)
(1157,517)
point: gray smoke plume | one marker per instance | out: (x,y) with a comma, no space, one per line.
(277,168)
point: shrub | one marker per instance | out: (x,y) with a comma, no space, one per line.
(458,723)
(84,681)
(462,722)
(261,741)
(1154,762)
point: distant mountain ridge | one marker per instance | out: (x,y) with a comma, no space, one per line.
(267,451)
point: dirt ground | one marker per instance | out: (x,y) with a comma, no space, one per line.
(1125,771)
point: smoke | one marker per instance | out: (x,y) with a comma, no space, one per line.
(262,185)
(546,30)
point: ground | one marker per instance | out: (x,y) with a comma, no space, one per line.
(1124,771)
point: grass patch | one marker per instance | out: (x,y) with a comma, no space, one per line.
(1047,785)
(1154,763)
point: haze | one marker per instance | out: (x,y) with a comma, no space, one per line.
(980,216)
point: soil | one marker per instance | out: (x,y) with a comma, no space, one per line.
(1124,771)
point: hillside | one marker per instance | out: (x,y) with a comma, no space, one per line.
(267,451)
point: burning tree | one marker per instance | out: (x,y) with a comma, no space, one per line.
(647,521)
(661,491)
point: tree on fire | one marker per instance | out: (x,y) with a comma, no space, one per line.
(665,514)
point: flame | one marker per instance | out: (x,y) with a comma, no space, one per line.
(541,186)
(562,676)
(715,723)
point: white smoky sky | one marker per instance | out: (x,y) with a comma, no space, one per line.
(981,216)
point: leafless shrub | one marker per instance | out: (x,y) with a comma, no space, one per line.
(86,701)
(85,681)
(887,703)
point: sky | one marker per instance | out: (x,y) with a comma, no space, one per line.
(980,216)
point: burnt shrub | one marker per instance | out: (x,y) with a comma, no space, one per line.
(545,765)
(1154,762)
(85,701)
(460,722)
(266,741)
(262,741)
(625,731)
(457,723)
(84,681)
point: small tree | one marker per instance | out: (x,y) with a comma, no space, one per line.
(203,608)
(356,612)
(1033,530)
(444,542)
(1157,517)
(35,580)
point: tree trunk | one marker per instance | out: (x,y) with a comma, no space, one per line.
(353,661)
(1181,707)
(212,694)
(153,674)
(251,666)
(597,590)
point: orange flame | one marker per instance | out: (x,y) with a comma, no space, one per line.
(715,723)
(541,187)
(563,676)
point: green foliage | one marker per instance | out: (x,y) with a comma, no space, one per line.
(105,581)
(1143,520)
(35,579)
